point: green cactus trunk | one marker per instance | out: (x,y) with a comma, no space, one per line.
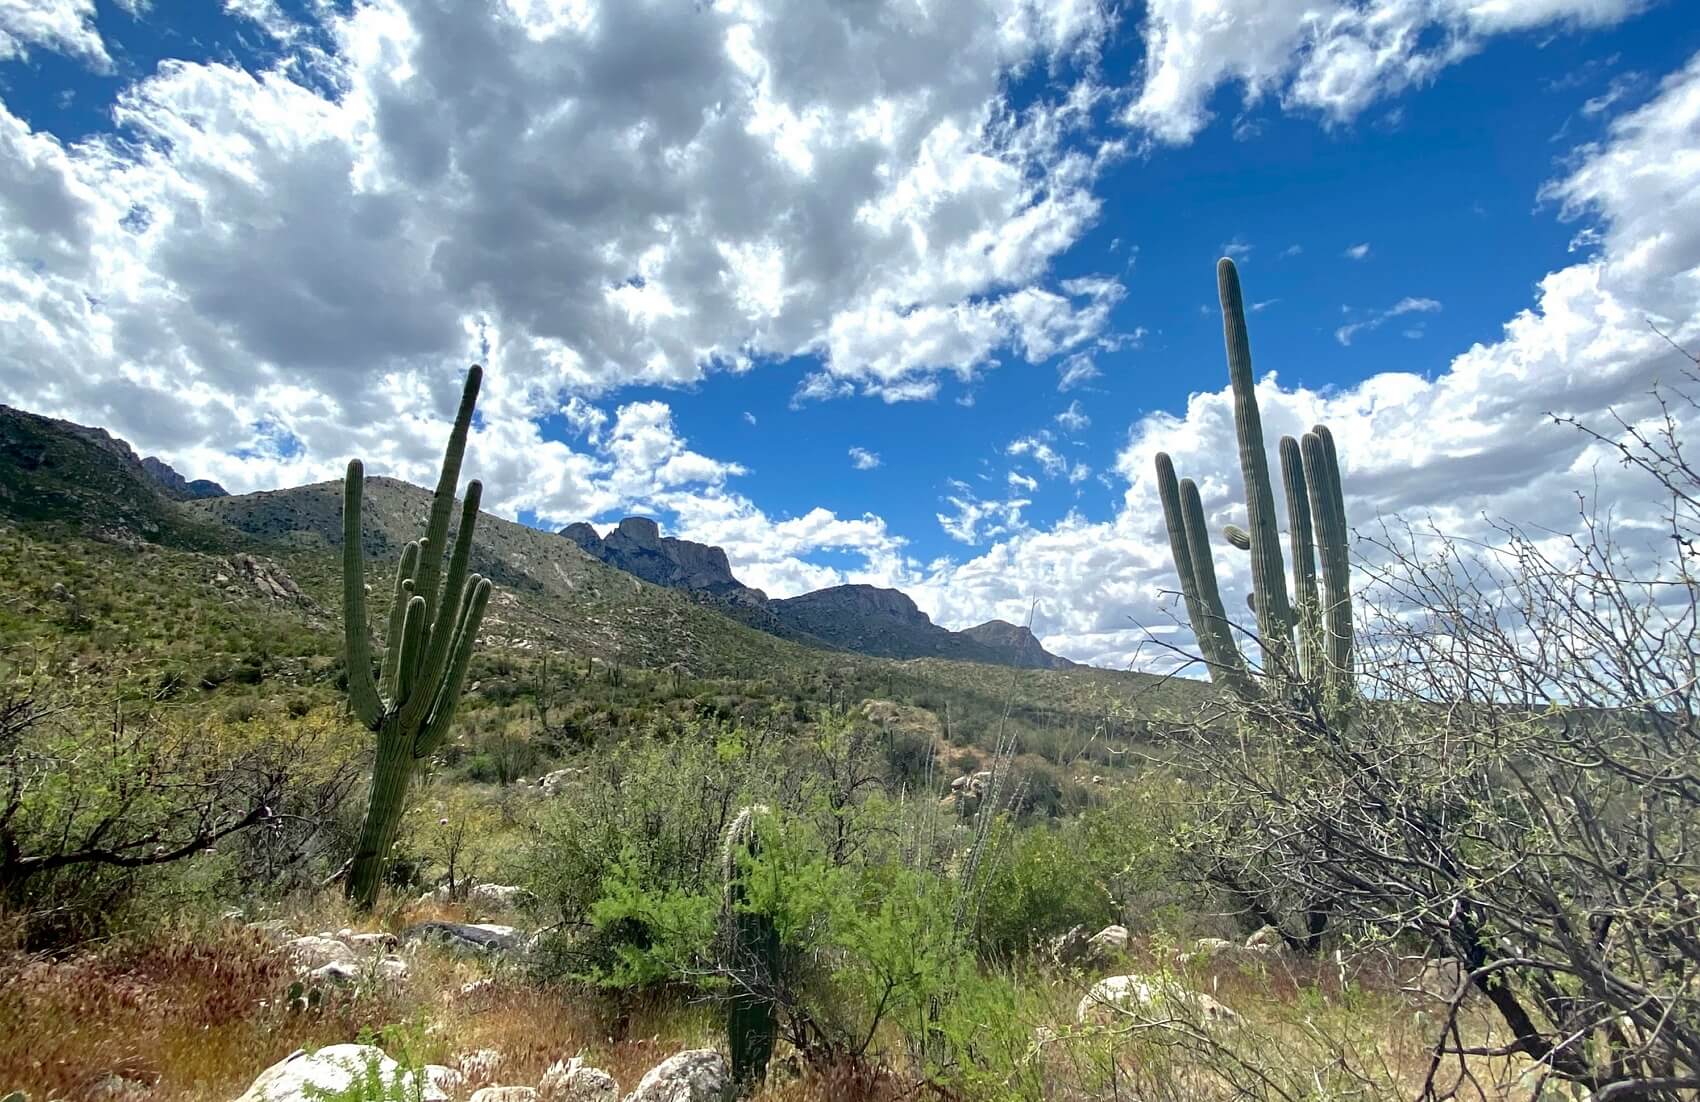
(752,959)
(410,705)
(1303,547)
(390,775)
(1268,580)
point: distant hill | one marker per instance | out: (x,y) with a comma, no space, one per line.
(1018,641)
(576,589)
(884,623)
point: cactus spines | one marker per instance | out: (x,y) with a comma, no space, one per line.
(410,704)
(751,958)
(1316,513)
(1268,581)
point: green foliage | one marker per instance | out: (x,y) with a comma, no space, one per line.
(369,1085)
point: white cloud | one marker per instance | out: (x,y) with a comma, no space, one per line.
(1075,371)
(863,459)
(1335,57)
(1408,305)
(1073,419)
(1472,443)
(1357,252)
(61,26)
(1038,448)
(583,199)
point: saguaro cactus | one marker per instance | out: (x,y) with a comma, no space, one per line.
(410,705)
(751,959)
(1316,521)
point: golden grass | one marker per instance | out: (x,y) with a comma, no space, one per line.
(194,1014)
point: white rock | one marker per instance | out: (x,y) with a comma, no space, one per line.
(503,1094)
(1111,939)
(392,968)
(315,951)
(573,1081)
(367,943)
(303,1076)
(698,1075)
(1266,939)
(1113,998)
(337,971)
(1210,947)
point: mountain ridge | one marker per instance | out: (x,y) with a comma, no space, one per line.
(865,619)
(61,472)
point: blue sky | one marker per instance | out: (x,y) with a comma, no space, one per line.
(711,253)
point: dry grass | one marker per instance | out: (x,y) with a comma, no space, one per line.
(194,1014)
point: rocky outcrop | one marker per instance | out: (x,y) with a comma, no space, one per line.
(698,1075)
(638,547)
(472,937)
(176,486)
(1020,646)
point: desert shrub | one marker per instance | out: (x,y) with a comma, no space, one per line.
(655,810)
(98,798)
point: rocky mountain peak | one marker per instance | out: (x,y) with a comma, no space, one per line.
(641,531)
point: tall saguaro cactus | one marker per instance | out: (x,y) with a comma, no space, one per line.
(751,957)
(1316,523)
(410,705)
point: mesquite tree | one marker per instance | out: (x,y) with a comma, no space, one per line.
(1316,514)
(411,703)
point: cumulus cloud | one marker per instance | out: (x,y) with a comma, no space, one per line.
(1469,445)
(1359,251)
(583,198)
(1335,57)
(61,26)
(863,459)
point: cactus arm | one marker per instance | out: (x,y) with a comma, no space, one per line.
(1329,513)
(1168,491)
(362,690)
(1227,665)
(1268,573)
(1303,546)
(1237,536)
(398,610)
(444,633)
(436,726)
(412,634)
(443,500)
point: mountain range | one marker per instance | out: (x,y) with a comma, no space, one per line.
(865,619)
(550,586)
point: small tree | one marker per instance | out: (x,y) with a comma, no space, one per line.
(410,705)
